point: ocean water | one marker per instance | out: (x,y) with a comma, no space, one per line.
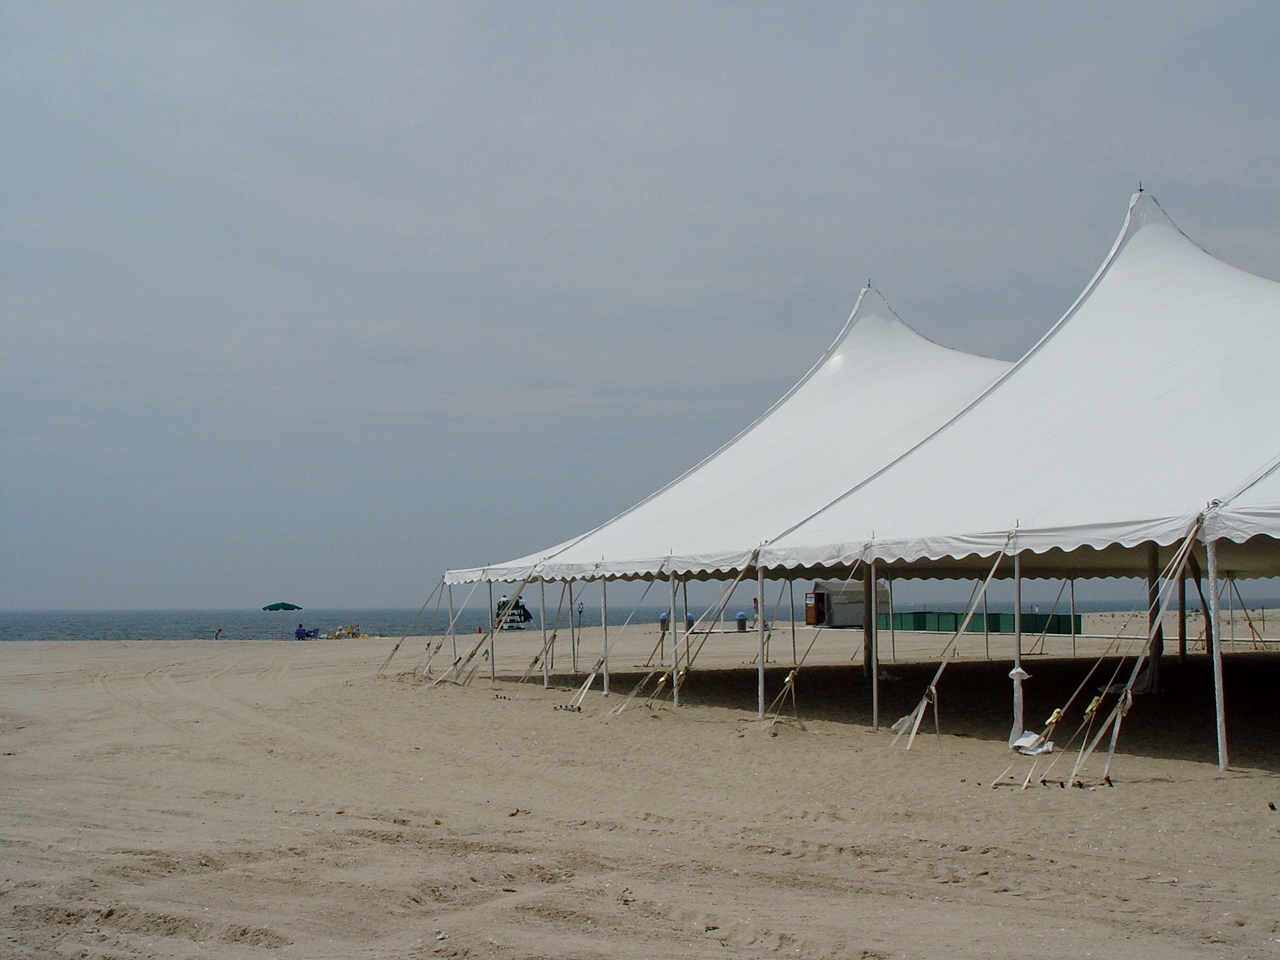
(257,625)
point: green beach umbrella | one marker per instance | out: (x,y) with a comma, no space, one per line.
(282,606)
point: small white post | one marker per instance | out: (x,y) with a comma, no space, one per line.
(760,635)
(604,635)
(1213,630)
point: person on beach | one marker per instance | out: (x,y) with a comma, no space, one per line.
(300,633)
(217,633)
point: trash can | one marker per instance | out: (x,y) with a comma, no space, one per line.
(688,622)
(662,623)
(742,622)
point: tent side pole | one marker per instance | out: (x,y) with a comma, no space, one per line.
(1219,704)
(453,636)
(986,626)
(760,637)
(1018,716)
(893,627)
(1182,618)
(874,620)
(1073,617)
(1231,609)
(791,589)
(604,636)
(542,616)
(1155,630)
(684,602)
(573,639)
(868,589)
(675,644)
(492,631)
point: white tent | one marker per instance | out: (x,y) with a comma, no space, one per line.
(877,391)
(1151,398)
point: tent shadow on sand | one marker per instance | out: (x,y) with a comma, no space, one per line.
(1176,724)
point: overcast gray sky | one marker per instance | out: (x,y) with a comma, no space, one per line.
(312,300)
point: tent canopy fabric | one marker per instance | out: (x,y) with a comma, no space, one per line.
(1149,403)
(876,392)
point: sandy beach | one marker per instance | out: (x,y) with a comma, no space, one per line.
(268,799)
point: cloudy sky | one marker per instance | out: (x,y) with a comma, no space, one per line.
(314,300)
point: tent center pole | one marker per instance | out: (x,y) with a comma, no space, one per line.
(604,636)
(1211,630)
